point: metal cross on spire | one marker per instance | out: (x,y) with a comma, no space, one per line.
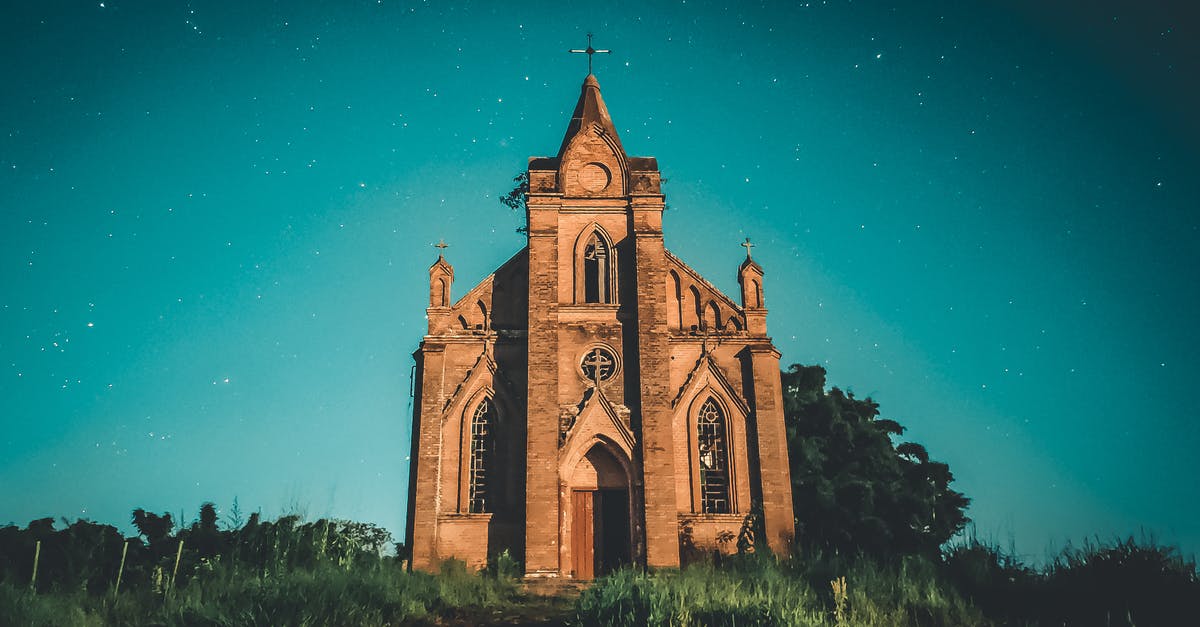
(441,246)
(748,246)
(590,51)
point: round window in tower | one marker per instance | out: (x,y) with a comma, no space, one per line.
(598,364)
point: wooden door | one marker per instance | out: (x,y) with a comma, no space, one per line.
(583,527)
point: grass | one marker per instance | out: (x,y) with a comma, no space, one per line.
(755,591)
(1122,583)
(698,596)
(287,572)
(324,595)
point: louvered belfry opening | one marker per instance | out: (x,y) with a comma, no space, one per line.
(597,271)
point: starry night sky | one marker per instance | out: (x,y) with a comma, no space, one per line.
(216,220)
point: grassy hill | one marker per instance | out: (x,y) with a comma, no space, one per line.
(288,572)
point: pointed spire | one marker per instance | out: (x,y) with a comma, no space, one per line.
(590,111)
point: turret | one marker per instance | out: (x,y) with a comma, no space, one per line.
(441,277)
(750,277)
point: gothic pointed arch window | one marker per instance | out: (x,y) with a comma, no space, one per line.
(713,455)
(596,261)
(483,446)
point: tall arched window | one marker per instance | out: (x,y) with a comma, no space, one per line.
(713,455)
(597,270)
(483,445)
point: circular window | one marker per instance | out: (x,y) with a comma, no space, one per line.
(598,364)
(594,177)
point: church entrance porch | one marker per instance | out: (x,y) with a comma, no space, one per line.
(598,515)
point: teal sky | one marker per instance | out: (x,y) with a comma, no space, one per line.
(216,219)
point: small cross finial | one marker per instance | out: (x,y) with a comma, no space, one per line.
(748,246)
(589,52)
(441,246)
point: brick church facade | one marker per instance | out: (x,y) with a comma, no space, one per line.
(595,401)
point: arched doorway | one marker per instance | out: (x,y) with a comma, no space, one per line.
(600,529)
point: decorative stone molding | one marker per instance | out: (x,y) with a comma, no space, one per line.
(623,413)
(566,420)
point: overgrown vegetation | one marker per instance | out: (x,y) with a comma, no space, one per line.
(1125,583)
(286,572)
(283,572)
(739,592)
(1128,581)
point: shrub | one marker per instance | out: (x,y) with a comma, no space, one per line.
(1129,582)
(20,606)
(997,582)
(505,566)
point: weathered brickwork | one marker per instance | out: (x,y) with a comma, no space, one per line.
(595,401)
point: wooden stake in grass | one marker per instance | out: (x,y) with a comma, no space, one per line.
(121,569)
(37,554)
(175,571)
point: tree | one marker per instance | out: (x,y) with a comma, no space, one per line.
(516,197)
(156,529)
(204,537)
(853,489)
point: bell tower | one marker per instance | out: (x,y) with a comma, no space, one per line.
(596,259)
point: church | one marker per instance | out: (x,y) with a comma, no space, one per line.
(595,402)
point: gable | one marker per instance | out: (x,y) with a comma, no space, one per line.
(595,419)
(708,375)
(483,376)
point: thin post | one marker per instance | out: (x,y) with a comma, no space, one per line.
(37,554)
(121,569)
(175,571)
